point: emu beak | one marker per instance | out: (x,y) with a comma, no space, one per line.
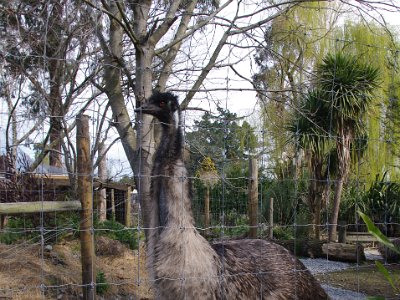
(149,108)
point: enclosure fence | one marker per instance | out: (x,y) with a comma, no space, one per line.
(271,172)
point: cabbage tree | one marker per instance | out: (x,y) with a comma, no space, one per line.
(348,85)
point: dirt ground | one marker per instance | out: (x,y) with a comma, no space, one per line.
(27,273)
(365,279)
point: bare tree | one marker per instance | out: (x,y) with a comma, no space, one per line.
(144,44)
(47,51)
(158,32)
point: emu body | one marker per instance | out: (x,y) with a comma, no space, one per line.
(184,264)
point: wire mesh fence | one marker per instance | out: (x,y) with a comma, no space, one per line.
(315,148)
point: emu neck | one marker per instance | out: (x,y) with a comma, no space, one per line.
(171,144)
(170,182)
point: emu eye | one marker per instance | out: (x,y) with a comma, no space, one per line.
(162,103)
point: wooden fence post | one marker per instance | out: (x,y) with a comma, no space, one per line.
(85,194)
(3,222)
(128,212)
(112,196)
(253,197)
(207,210)
(271,218)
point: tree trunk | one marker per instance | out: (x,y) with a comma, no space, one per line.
(317,219)
(332,232)
(12,122)
(343,143)
(55,158)
(55,51)
(316,193)
(271,219)
(112,74)
(344,252)
(102,199)
(304,247)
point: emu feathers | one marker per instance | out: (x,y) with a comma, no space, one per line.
(183,263)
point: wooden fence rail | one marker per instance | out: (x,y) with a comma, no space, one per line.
(38,206)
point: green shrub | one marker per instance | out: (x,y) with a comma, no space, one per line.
(303,219)
(372,229)
(283,233)
(116,231)
(101,283)
(27,227)
(19,228)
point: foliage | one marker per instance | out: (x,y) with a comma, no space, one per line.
(299,231)
(348,85)
(117,231)
(287,200)
(389,255)
(222,138)
(224,170)
(125,179)
(27,227)
(236,225)
(310,125)
(101,283)
(283,233)
(381,202)
(351,202)
(17,229)
(356,38)
(24,227)
(294,43)
(309,131)
(394,281)
(207,172)
(207,165)
(230,194)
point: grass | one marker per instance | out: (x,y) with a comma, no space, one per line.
(117,231)
(365,279)
(23,270)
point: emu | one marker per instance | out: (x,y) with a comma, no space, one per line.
(183,263)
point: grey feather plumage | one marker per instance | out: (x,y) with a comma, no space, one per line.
(183,263)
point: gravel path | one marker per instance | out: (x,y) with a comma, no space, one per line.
(341,294)
(319,265)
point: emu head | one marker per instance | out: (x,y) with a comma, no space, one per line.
(163,106)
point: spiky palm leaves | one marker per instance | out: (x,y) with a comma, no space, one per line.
(310,131)
(310,126)
(337,106)
(349,85)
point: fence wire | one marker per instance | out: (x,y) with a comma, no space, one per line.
(40,252)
